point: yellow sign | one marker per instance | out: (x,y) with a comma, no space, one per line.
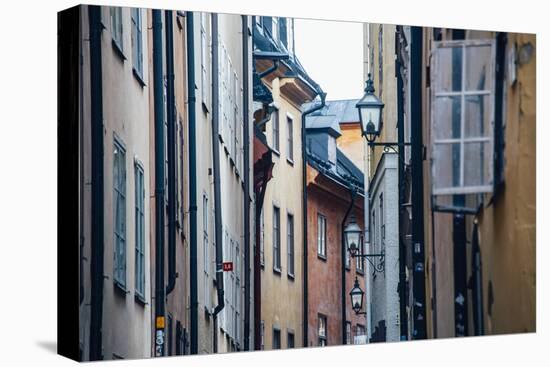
(160,322)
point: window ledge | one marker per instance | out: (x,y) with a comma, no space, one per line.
(290,276)
(139,77)
(290,161)
(277,271)
(322,257)
(140,299)
(118,49)
(121,288)
(360,272)
(277,153)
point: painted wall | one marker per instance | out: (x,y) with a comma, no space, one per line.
(126,322)
(324,273)
(282,296)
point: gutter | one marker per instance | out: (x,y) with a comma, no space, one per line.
(171,137)
(97,256)
(246,173)
(216,174)
(159,184)
(323,96)
(192,182)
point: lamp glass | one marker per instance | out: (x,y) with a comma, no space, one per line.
(352,234)
(356,297)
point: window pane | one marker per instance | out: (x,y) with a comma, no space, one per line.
(446,170)
(478,67)
(448,69)
(477,116)
(446,119)
(477,158)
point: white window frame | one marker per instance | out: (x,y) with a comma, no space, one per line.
(489,138)
(117,33)
(119,230)
(321,235)
(262,238)
(139,187)
(290,137)
(276,131)
(137,41)
(290,235)
(205,59)
(206,254)
(276,239)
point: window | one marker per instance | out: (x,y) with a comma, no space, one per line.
(276,338)
(348,332)
(137,42)
(360,336)
(290,339)
(290,140)
(276,239)
(321,236)
(205,56)
(322,330)
(462,82)
(262,235)
(116,26)
(283,34)
(262,335)
(275,29)
(140,232)
(206,255)
(290,244)
(275,126)
(119,204)
(169,335)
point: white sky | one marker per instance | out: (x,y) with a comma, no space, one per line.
(332,54)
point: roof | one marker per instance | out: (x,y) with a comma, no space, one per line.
(324,123)
(344,110)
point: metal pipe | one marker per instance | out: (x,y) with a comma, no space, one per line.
(158,90)
(314,108)
(419,273)
(216,168)
(270,69)
(171,137)
(368,286)
(97,256)
(246,168)
(194,314)
(353,193)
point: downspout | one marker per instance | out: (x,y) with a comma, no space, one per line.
(353,192)
(400,184)
(216,174)
(97,256)
(159,184)
(323,96)
(246,163)
(171,137)
(194,311)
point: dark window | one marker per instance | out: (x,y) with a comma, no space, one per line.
(169,335)
(290,243)
(268,24)
(348,332)
(276,338)
(322,330)
(276,238)
(275,126)
(321,236)
(262,236)
(283,32)
(137,42)
(290,139)
(116,26)
(262,335)
(290,339)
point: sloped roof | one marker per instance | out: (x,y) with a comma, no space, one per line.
(344,110)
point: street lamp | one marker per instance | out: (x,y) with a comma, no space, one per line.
(356,295)
(354,244)
(370,112)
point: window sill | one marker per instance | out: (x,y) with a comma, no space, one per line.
(322,257)
(118,49)
(348,268)
(138,77)
(360,272)
(120,288)
(277,271)
(290,276)
(140,299)
(276,152)
(290,161)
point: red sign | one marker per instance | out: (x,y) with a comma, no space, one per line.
(228,266)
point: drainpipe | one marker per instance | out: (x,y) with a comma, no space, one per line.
(192,182)
(171,136)
(323,96)
(246,163)
(217,183)
(97,255)
(353,192)
(159,184)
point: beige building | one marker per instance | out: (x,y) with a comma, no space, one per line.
(281,221)
(490,239)
(124,286)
